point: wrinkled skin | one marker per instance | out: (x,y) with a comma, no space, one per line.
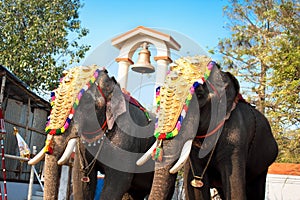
(52,171)
(238,165)
(121,173)
(164,182)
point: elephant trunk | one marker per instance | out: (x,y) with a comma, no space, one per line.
(164,178)
(52,170)
(52,177)
(165,172)
(163,184)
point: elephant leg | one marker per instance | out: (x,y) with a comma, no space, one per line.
(190,191)
(116,184)
(193,193)
(136,195)
(233,178)
(141,185)
(83,190)
(256,189)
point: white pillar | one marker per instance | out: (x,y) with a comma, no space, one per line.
(65,180)
(123,73)
(161,71)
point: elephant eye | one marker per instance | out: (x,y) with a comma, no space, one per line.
(200,91)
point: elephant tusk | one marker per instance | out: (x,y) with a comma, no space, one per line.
(68,151)
(183,157)
(37,158)
(146,156)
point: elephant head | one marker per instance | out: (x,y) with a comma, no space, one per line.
(90,107)
(63,124)
(192,88)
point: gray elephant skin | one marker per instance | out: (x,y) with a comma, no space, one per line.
(110,133)
(232,148)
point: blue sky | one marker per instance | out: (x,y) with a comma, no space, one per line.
(201,21)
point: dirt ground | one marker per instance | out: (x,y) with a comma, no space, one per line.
(285,168)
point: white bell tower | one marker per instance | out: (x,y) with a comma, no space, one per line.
(130,41)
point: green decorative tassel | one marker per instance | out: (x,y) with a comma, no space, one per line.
(157,153)
(147,116)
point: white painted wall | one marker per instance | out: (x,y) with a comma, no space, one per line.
(282,187)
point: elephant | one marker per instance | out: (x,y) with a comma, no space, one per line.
(226,143)
(109,130)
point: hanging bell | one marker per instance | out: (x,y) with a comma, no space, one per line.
(143,64)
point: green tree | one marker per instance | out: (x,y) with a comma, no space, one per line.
(39,39)
(264,52)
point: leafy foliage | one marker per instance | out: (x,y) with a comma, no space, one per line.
(264,52)
(289,147)
(35,39)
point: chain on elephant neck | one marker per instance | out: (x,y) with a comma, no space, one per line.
(197,181)
(87,170)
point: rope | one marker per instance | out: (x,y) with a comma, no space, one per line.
(141,86)
(213,131)
(101,92)
(103,128)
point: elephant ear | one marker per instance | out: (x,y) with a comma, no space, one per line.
(232,91)
(225,88)
(216,79)
(116,106)
(234,82)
